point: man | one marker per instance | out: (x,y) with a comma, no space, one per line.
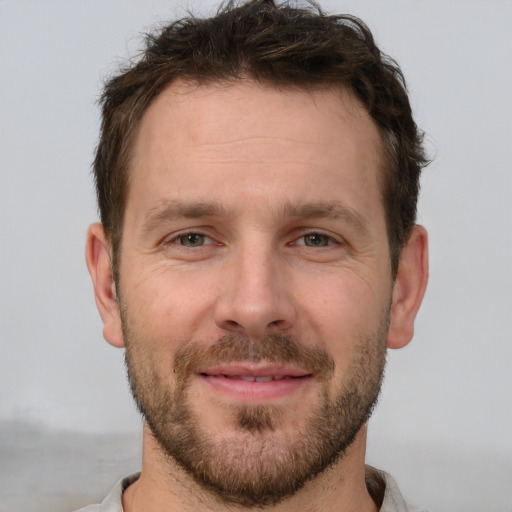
(257,177)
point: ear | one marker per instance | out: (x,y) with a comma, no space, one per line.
(97,255)
(409,288)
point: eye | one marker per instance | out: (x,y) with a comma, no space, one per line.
(192,240)
(315,240)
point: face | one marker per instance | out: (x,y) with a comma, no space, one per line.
(255,282)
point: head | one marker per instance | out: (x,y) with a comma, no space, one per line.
(281,47)
(257,177)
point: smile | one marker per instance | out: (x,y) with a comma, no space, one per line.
(249,383)
(253,378)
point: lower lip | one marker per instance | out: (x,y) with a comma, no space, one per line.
(247,391)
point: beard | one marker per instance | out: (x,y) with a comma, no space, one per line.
(259,461)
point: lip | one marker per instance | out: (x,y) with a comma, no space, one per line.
(235,381)
(255,369)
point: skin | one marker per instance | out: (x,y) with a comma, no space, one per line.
(288,168)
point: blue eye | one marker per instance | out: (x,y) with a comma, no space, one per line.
(316,240)
(191,240)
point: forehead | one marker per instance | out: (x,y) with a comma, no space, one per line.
(240,108)
(194,138)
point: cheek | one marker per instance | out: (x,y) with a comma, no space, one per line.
(167,307)
(341,311)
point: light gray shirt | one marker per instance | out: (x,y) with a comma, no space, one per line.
(393,500)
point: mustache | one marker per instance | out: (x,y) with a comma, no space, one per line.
(275,348)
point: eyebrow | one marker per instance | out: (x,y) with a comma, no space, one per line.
(327,210)
(172,210)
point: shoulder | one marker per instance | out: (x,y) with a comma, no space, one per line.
(113,502)
(383,486)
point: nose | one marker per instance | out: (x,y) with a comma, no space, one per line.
(254,299)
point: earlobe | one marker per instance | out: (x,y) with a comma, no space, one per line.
(97,255)
(409,288)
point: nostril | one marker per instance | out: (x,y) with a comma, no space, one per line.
(254,316)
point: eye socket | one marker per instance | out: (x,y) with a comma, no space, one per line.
(315,240)
(192,239)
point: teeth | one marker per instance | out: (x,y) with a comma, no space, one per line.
(252,378)
(264,379)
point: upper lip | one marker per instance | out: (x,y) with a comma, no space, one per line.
(255,370)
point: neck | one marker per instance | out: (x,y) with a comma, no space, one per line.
(165,487)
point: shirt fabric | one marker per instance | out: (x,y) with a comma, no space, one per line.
(393,500)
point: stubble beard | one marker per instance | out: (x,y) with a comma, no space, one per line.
(258,462)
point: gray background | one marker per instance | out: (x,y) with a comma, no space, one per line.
(68,428)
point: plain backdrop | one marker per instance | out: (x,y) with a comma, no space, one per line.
(444,424)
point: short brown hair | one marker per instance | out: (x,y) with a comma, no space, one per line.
(277,45)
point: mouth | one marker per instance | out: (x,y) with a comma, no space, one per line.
(255,383)
(254,378)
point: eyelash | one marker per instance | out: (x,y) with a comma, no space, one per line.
(330,240)
(327,238)
(176,238)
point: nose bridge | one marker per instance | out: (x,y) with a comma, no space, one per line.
(257,276)
(254,300)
